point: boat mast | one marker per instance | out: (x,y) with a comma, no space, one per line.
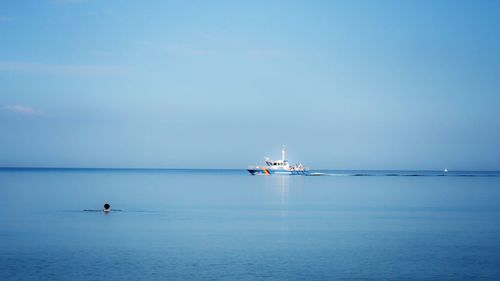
(283,152)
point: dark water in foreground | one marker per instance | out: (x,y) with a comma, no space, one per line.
(228,225)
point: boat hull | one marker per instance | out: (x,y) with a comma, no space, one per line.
(268,172)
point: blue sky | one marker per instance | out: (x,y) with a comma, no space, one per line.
(344,84)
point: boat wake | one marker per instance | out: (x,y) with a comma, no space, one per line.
(403,174)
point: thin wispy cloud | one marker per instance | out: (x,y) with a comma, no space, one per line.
(265,53)
(64,69)
(22,109)
(5,18)
(186,50)
(195,50)
(63,2)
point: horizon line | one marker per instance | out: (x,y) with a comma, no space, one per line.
(215,169)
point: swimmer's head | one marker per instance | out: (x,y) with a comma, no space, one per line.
(107,207)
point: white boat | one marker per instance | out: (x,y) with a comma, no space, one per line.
(280,167)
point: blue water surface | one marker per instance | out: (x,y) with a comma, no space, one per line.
(228,225)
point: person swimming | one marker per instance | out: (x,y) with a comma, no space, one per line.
(107,208)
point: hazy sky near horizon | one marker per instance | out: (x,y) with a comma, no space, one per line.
(344,84)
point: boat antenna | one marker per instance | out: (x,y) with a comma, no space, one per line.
(283,153)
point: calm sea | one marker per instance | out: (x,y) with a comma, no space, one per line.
(229,225)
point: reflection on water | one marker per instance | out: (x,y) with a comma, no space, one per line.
(282,185)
